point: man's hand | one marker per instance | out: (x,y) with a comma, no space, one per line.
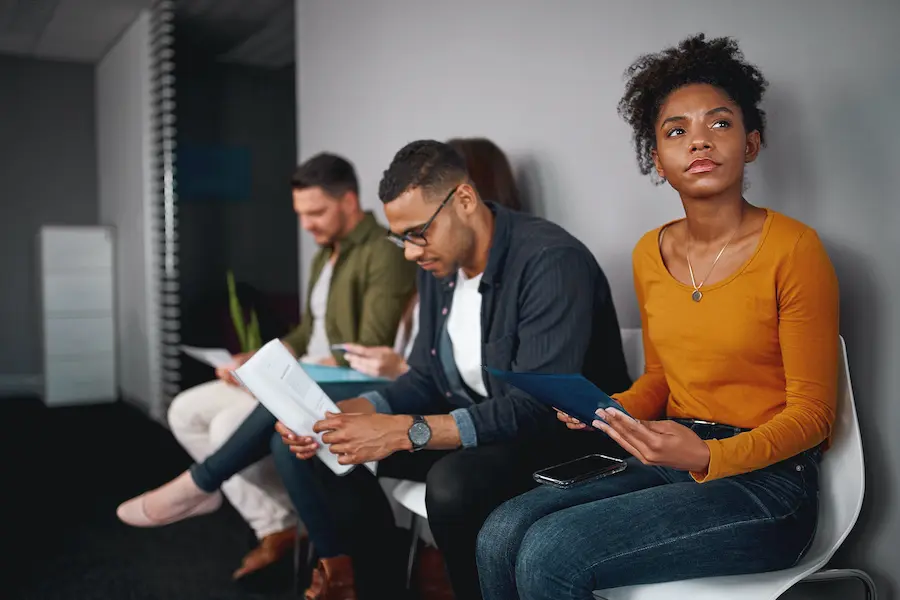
(360,438)
(224,373)
(379,361)
(662,443)
(303,447)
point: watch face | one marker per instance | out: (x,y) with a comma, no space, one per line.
(419,434)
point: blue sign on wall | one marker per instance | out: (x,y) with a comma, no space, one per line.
(213,173)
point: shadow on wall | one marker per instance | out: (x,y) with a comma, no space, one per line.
(862,318)
(529,181)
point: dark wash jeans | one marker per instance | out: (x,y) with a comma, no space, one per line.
(250,442)
(648,525)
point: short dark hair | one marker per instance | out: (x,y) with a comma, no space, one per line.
(489,170)
(426,164)
(652,77)
(331,172)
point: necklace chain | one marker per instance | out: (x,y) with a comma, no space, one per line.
(697,295)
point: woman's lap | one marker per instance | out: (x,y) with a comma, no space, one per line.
(651,525)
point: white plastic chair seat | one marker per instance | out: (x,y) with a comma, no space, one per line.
(411,495)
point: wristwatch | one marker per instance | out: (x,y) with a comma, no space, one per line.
(419,433)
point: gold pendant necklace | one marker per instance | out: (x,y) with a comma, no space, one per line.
(697,295)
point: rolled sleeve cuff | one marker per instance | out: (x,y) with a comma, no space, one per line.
(467,434)
(715,460)
(379,402)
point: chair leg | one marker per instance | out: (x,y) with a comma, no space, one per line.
(859,575)
(415,532)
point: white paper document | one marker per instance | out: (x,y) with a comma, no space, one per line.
(214,357)
(276,379)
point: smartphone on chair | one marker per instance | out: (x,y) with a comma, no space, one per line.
(580,470)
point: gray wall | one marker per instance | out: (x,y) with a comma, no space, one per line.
(542,78)
(48,175)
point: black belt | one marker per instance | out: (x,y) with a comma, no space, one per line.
(711,427)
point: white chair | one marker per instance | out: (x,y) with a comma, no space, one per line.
(841,487)
(411,494)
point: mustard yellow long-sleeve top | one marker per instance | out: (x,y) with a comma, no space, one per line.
(759,351)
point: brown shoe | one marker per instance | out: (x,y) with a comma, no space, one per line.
(433,582)
(270,549)
(332,580)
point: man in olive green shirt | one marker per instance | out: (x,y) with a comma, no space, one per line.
(359,287)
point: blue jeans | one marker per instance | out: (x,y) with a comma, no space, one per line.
(250,442)
(648,525)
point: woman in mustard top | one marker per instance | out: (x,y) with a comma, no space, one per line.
(739,309)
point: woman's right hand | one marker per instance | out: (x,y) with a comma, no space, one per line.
(302,447)
(571,422)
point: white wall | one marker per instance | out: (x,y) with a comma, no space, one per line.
(124,151)
(542,78)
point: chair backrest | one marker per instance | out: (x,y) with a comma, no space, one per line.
(633,347)
(842,473)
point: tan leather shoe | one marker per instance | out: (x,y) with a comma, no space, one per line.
(269,550)
(433,582)
(332,580)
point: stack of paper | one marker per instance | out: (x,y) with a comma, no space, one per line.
(276,379)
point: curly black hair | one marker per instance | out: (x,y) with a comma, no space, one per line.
(652,77)
(426,164)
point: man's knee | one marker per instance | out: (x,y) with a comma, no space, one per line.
(450,487)
(226,421)
(183,409)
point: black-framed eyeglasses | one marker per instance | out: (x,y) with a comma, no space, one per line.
(417,238)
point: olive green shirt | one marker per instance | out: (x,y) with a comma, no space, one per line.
(370,287)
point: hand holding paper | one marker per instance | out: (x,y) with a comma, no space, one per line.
(574,395)
(361,438)
(275,377)
(302,447)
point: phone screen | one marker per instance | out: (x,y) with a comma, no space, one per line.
(581,468)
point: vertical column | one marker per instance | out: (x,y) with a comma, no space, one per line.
(165,199)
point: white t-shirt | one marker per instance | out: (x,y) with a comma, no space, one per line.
(464,328)
(319,348)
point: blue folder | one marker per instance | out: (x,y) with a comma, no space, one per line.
(575,395)
(326,374)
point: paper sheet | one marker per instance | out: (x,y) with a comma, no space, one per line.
(214,357)
(277,380)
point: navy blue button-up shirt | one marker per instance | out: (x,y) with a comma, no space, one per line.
(546,308)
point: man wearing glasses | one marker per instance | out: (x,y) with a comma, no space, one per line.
(505,290)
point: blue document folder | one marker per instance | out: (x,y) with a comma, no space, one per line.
(575,395)
(325,374)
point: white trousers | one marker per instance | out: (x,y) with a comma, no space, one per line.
(202,419)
